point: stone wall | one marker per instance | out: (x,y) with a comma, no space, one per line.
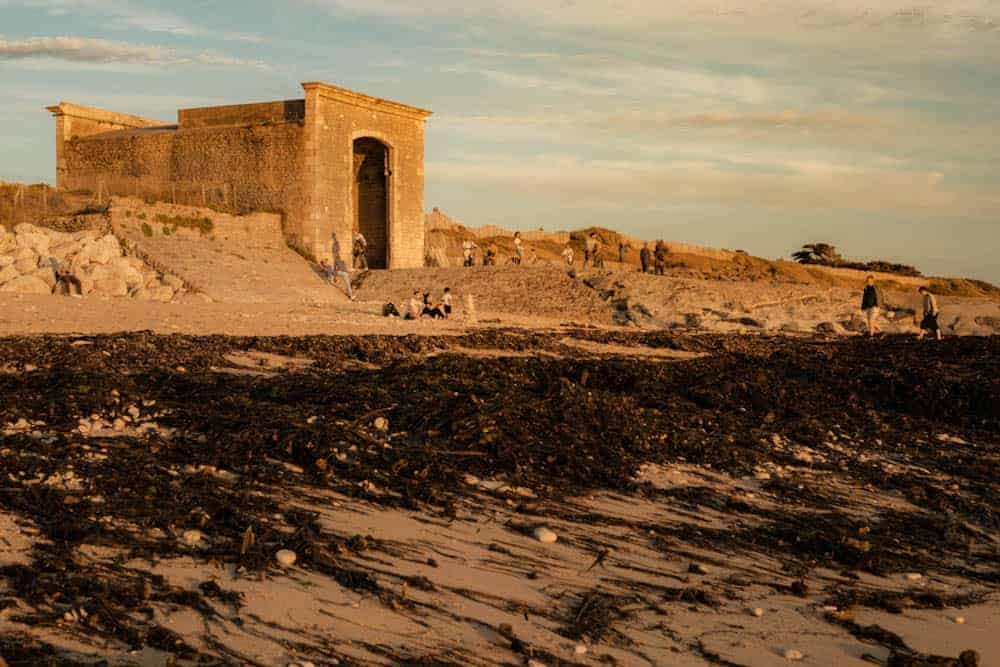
(334,120)
(294,156)
(230,168)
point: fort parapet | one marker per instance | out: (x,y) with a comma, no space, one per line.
(332,163)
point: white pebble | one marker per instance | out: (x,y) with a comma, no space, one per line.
(286,557)
(545,535)
(580,649)
(758,612)
(381,423)
(793,654)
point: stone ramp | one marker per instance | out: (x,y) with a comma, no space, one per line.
(231,259)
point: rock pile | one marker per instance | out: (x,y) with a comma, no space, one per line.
(31,255)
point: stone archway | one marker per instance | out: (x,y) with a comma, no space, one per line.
(371,198)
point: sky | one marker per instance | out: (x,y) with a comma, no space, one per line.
(745,124)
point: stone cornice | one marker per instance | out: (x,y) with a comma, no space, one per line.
(366,101)
(93,113)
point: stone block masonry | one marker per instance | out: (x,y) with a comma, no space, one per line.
(330,164)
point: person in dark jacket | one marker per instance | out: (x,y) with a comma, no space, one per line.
(929,324)
(645,258)
(871,302)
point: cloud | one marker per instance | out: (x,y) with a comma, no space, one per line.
(93,51)
(125,15)
(801,187)
(980,15)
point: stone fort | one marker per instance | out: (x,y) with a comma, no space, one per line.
(332,163)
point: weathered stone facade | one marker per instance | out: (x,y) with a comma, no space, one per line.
(332,163)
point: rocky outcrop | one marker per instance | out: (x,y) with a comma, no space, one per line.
(31,258)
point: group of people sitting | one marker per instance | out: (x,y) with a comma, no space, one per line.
(420,305)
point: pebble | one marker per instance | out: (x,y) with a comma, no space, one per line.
(381,423)
(133,412)
(914,576)
(697,568)
(960,620)
(192,537)
(545,535)
(758,612)
(793,654)
(471,480)
(118,424)
(286,557)
(580,649)
(763,476)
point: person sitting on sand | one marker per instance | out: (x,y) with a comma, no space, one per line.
(930,321)
(67,284)
(390,310)
(871,301)
(645,258)
(338,270)
(431,310)
(414,306)
(446,302)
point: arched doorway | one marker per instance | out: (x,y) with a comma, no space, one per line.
(371,198)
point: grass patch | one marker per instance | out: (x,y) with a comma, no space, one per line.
(203,225)
(146,229)
(142,216)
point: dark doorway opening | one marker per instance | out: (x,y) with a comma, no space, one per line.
(371,198)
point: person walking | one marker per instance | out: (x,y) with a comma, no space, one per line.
(645,258)
(518,250)
(589,249)
(929,323)
(660,257)
(360,251)
(621,252)
(468,252)
(567,255)
(338,270)
(871,301)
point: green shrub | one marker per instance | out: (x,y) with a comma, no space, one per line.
(203,225)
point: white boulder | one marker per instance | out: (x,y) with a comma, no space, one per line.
(26,285)
(8,273)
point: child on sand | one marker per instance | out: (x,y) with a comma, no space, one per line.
(446,302)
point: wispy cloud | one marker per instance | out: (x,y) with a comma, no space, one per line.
(95,51)
(124,14)
(979,15)
(802,187)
